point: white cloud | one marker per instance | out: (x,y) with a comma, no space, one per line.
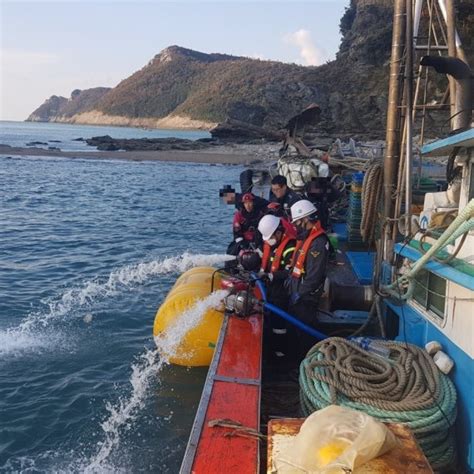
(310,54)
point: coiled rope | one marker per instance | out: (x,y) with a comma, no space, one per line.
(371,197)
(405,388)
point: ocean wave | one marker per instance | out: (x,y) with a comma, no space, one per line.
(33,333)
(149,365)
(15,341)
(112,455)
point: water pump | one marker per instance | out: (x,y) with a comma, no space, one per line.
(242,303)
(241,300)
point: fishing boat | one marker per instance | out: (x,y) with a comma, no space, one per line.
(403,279)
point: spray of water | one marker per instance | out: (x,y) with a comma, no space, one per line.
(144,371)
(30,335)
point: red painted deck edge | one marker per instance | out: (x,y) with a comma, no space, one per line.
(216,453)
(235,395)
(242,349)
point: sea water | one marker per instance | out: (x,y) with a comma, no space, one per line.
(88,251)
(69,137)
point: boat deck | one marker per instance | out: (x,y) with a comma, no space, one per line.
(235,392)
(231,395)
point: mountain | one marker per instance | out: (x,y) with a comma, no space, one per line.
(183,88)
(59,109)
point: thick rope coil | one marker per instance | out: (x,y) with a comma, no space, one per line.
(406,388)
(371,195)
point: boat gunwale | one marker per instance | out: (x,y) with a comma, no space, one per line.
(196,430)
(213,376)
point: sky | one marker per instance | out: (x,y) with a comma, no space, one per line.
(52,48)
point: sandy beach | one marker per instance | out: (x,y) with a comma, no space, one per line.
(226,154)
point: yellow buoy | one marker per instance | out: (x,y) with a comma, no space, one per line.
(196,346)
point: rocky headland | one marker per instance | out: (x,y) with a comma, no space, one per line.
(182,88)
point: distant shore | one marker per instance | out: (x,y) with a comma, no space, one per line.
(228,155)
(171,122)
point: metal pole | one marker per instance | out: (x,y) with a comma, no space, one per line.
(450,18)
(409,115)
(392,151)
(416,19)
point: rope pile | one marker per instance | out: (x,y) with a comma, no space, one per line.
(349,162)
(405,388)
(371,197)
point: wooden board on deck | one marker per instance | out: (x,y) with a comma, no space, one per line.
(405,458)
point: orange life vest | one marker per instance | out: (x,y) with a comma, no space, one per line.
(277,257)
(302,250)
(267,251)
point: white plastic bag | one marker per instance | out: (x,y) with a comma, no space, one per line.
(334,440)
(299,171)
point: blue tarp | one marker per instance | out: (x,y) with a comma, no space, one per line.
(341,230)
(363,265)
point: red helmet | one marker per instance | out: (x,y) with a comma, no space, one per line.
(248,197)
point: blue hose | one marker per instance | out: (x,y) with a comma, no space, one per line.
(260,286)
(283,314)
(296,322)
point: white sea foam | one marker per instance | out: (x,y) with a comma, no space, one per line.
(149,364)
(14,342)
(122,413)
(168,341)
(32,333)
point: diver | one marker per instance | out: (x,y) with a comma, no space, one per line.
(245,226)
(279,241)
(282,194)
(306,281)
(229,196)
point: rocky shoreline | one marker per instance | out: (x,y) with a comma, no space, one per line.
(107,143)
(229,154)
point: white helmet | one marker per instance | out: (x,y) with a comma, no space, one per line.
(302,209)
(268,225)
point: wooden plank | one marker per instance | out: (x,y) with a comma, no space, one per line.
(407,457)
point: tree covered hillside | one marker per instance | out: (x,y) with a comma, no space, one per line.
(204,88)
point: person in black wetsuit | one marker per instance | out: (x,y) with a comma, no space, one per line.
(245,224)
(282,194)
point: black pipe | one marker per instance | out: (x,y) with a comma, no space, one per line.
(462,74)
(354,297)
